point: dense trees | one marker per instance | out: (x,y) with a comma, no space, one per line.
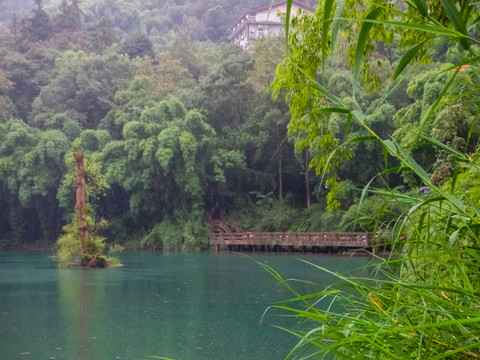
(83,88)
(166,165)
(32,167)
(181,126)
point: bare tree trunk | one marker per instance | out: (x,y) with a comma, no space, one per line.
(81,200)
(280,173)
(307,178)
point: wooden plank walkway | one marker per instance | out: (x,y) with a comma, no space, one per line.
(318,239)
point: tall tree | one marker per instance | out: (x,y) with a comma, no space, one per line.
(137,45)
(70,17)
(37,26)
(6,106)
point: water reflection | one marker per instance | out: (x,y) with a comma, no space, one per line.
(77,294)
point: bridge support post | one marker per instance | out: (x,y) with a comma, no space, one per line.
(374,244)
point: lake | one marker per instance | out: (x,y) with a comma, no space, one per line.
(180,306)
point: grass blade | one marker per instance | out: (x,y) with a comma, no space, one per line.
(361,45)
(385,155)
(421,7)
(313,295)
(454,179)
(457,21)
(459,156)
(335,110)
(427,28)
(405,60)
(336,23)
(314,84)
(303,313)
(395,170)
(362,139)
(325,26)
(472,126)
(287,20)
(349,121)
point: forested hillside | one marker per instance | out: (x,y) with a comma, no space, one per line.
(176,124)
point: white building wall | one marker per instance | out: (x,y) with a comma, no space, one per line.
(254,25)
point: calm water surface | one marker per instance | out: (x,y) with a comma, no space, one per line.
(180,306)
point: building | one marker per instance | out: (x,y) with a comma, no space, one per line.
(264,21)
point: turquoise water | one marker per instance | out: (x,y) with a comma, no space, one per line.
(180,306)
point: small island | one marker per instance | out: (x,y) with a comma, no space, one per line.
(79,246)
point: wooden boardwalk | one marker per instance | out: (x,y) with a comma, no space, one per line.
(228,234)
(270,240)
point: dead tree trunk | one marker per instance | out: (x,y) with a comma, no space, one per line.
(81,202)
(280,173)
(307,178)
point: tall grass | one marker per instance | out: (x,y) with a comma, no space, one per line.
(425,303)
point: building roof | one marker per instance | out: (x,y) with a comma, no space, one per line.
(296,2)
(278,3)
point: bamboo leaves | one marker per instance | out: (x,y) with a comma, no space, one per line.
(407,58)
(455,18)
(362,41)
(421,7)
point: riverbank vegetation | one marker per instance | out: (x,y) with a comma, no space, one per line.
(425,303)
(182,126)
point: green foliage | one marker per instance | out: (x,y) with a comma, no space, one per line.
(69,251)
(424,304)
(170,235)
(5,102)
(96,79)
(266,214)
(97,185)
(164,161)
(31,169)
(137,45)
(375,212)
(310,122)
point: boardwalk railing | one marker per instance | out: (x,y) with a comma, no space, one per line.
(222,225)
(321,239)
